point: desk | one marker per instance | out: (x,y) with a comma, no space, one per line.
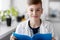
(5,30)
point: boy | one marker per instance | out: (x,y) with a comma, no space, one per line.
(35,24)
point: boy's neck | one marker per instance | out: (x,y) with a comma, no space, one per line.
(35,23)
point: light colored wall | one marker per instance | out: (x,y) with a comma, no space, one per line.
(55,5)
(5,4)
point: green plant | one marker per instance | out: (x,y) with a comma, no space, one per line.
(14,12)
(7,12)
(0,12)
(3,18)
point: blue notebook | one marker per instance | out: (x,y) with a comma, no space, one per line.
(35,37)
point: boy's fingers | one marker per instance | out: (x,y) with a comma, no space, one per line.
(12,38)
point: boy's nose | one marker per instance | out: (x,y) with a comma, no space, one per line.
(34,12)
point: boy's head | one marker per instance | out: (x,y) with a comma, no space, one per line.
(34,2)
(34,9)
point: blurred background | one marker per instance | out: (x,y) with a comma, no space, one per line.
(12,12)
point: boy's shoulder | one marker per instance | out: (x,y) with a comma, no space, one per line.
(48,24)
(23,23)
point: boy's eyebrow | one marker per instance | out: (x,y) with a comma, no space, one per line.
(31,8)
(39,8)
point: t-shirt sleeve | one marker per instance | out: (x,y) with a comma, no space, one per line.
(19,29)
(51,28)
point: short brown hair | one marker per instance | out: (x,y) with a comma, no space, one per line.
(30,2)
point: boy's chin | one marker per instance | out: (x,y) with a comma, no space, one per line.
(35,18)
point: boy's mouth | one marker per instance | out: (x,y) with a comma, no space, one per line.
(35,16)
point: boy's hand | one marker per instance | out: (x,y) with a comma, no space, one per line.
(53,39)
(13,38)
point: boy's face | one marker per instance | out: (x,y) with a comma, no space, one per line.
(35,11)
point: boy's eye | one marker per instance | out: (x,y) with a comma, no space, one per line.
(38,10)
(31,10)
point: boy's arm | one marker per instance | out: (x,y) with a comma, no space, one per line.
(13,37)
(52,31)
(53,38)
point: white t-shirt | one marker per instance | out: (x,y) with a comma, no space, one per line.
(45,27)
